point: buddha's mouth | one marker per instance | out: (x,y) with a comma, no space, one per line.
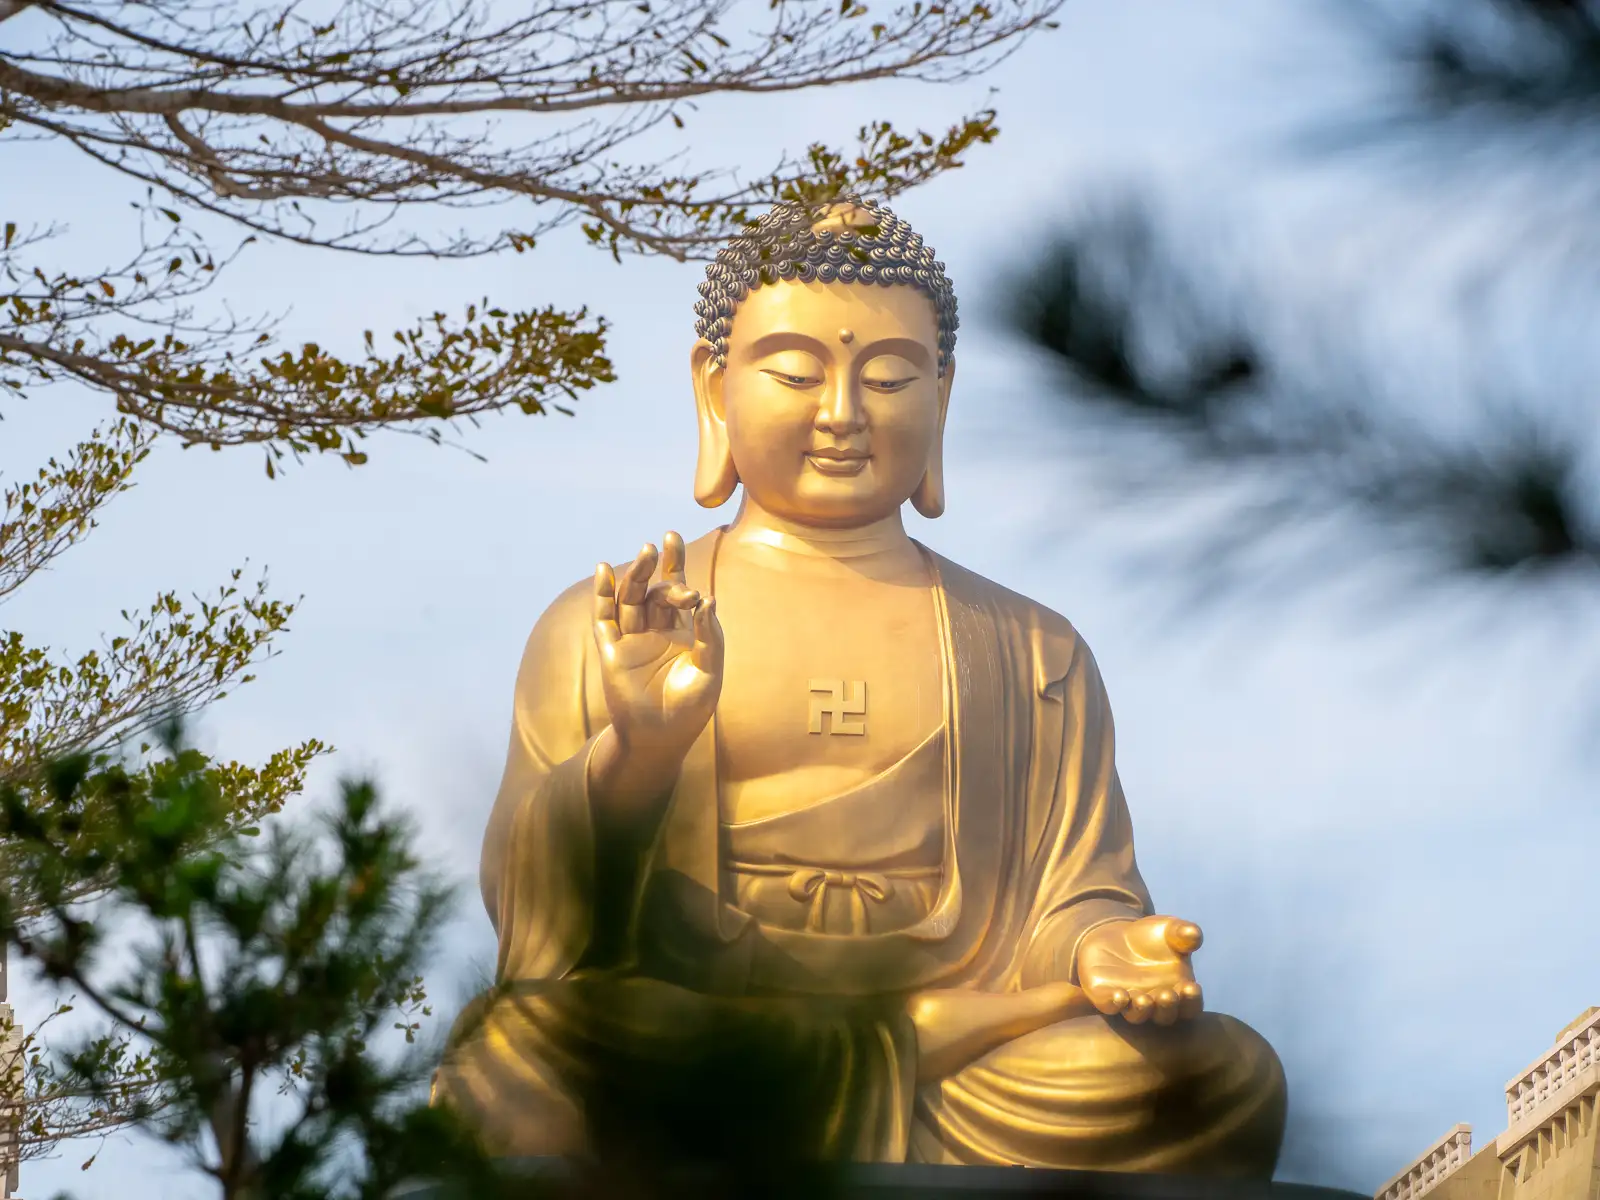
(839,462)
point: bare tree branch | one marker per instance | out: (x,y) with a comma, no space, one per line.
(273,120)
(268,109)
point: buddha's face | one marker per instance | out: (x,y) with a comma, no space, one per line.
(831,399)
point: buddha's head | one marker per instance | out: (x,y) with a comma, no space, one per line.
(823,367)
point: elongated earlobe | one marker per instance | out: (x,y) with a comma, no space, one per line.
(928,499)
(715,477)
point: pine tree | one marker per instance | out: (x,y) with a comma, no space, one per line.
(1196,403)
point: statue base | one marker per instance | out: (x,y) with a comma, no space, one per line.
(920,1181)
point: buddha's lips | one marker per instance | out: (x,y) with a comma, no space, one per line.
(829,452)
(838,462)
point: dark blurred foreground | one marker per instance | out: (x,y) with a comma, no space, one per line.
(879,1181)
(281,963)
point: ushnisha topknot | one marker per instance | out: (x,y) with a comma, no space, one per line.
(823,242)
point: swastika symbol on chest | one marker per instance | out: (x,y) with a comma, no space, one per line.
(839,702)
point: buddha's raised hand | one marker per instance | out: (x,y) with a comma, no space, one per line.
(1141,969)
(660,651)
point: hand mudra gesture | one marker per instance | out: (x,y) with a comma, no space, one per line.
(1141,969)
(660,653)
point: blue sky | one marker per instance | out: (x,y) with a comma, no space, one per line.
(1379,818)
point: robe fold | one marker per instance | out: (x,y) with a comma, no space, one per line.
(1037,851)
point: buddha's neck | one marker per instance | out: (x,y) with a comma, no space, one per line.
(762,534)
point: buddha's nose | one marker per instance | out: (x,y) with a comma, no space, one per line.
(841,413)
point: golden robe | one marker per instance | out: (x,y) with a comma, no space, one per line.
(621,965)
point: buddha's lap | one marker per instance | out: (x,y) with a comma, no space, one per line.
(639,1015)
(1202,1096)
(1092,1091)
(1094,1051)
(557,1066)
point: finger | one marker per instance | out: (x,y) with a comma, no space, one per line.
(706,654)
(1110,1001)
(1191,1000)
(1140,1008)
(605,604)
(672,557)
(635,581)
(672,594)
(670,605)
(681,596)
(632,589)
(1184,936)
(1166,1000)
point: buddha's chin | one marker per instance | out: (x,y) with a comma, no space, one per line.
(837,501)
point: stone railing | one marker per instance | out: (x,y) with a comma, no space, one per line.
(1440,1159)
(11,1068)
(1569,1069)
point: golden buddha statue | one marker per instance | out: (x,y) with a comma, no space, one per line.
(804,788)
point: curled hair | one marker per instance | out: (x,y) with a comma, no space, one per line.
(785,244)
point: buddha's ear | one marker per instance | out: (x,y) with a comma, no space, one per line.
(714,473)
(928,499)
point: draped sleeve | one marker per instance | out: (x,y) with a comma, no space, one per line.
(1088,874)
(537,870)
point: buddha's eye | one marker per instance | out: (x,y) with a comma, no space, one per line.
(794,369)
(889,385)
(791,380)
(888,373)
